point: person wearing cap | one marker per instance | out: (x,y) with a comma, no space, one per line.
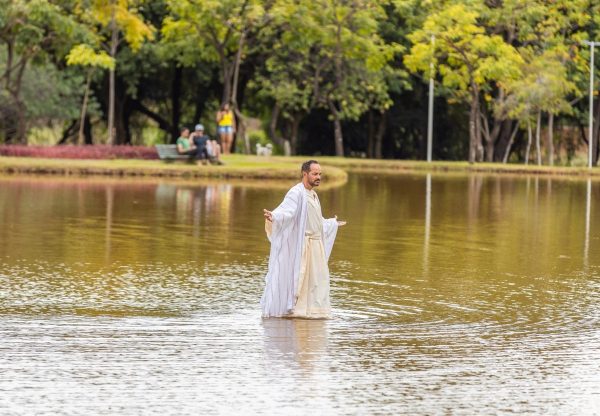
(186,146)
(212,146)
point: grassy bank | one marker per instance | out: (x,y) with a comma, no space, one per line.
(252,167)
(365,165)
(236,167)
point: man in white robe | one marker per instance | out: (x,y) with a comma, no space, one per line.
(297,282)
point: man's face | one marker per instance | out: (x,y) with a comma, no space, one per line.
(185,133)
(200,132)
(313,177)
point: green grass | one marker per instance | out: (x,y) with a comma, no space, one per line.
(276,167)
(236,166)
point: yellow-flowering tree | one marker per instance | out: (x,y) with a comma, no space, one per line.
(86,56)
(113,21)
(469,61)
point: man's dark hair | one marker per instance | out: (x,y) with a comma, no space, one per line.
(306,165)
(182,129)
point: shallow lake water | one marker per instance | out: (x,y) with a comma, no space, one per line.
(451,294)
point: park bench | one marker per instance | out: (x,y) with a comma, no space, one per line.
(168,152)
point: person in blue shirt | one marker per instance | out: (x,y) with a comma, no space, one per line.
(212,147)
(187,145)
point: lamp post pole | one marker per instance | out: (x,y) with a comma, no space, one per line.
(430,109)
(591,105)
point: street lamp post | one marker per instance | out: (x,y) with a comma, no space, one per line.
(592,46)
(430,109)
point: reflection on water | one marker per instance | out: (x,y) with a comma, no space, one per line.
(427,225)
(451,295)
(303,341)
(588,205)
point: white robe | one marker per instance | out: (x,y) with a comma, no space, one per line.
(287,236)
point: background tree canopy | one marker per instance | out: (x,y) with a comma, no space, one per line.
(342,77)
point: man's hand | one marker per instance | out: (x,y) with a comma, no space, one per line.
(268,215)
(340,223)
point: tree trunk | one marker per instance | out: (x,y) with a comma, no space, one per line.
(491,137)
(473,131)
(489,151)
(381,128)
(295,124)
(595,134)
(503,139)
(528,142)
(370,135)
(87,130)
(510,143)
(114,42)
(337,127)
(68,132)
(81,136)
(176,102)
(226,73)
(476,115)
(550,139)
(9,62)
(21,135)
(236,68)
(21,130)
(126,117)
(119,120)
(286,143)
(538,150)
(275,138)
(241,129)
(475,141)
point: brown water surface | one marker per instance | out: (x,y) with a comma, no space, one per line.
(451,295)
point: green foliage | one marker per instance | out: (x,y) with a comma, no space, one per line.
(257,137)
(84,55)
(465,56)
(33,34)
(209,31)
(122,13)
(311,61)
(48,93)
(543,87)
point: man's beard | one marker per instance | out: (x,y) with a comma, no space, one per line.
(316,182)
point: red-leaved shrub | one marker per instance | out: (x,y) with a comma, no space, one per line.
(80,152)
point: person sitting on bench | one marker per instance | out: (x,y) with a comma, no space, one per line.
(212,146)
(187,145)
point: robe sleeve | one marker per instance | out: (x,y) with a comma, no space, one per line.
(283,216)
(330,227)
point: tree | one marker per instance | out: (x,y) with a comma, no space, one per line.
(287,78)
(332,58)
(28,31)
(84,55)
(544,87)
(470,62)
(218,32)
(115,21)
(551,32)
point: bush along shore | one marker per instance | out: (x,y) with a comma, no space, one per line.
(80,152)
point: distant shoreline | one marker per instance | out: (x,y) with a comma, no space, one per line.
(263,168)
(236,167)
